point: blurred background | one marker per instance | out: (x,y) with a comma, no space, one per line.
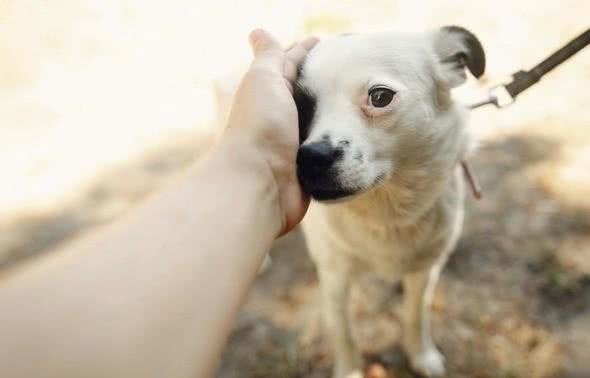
(103,102)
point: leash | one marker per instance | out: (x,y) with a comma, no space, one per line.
(505,94)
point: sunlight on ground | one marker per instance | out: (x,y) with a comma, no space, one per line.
(86,85)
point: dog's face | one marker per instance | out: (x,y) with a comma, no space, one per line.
(367,104)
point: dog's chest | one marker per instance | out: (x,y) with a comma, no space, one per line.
(374,241)
(388,249)
(371,235)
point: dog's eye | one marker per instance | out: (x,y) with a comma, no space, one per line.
(380,97)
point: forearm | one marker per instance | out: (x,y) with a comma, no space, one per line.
(122,302)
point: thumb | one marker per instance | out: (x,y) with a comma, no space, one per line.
(267,50)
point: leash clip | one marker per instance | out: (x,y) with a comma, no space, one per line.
(504,95)
(497,96)
(500,96)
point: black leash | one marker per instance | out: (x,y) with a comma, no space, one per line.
(504,95)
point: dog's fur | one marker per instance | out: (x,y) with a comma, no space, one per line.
(393,188)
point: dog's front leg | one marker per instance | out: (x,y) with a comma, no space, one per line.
(417,339)
(335,288)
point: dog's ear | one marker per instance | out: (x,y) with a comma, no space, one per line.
(458,49)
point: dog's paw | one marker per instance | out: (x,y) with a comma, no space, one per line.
(430,363)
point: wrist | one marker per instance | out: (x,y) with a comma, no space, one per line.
(240,166)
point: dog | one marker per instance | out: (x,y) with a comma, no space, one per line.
(381,142)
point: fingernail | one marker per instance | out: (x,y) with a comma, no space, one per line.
(255,36)
(313,40)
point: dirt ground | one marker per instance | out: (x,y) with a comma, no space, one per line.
(514,300)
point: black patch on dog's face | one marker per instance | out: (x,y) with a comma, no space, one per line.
(306,106)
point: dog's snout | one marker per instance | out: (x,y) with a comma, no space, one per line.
(316,173)
(319,155)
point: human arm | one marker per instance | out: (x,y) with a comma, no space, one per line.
(155,294)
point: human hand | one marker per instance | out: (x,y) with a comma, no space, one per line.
(264,117)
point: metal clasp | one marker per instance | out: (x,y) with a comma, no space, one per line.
(501,96)
(498,96)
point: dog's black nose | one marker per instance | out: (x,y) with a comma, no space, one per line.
(318,155)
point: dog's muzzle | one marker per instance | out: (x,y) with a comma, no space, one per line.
(317,172)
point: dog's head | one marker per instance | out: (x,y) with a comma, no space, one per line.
(371,104)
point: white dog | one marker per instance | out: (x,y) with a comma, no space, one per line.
(382,140)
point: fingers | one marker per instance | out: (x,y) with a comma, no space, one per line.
(300,49)
(295,55)
(268,53)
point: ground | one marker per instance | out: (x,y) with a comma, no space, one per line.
(101,104)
